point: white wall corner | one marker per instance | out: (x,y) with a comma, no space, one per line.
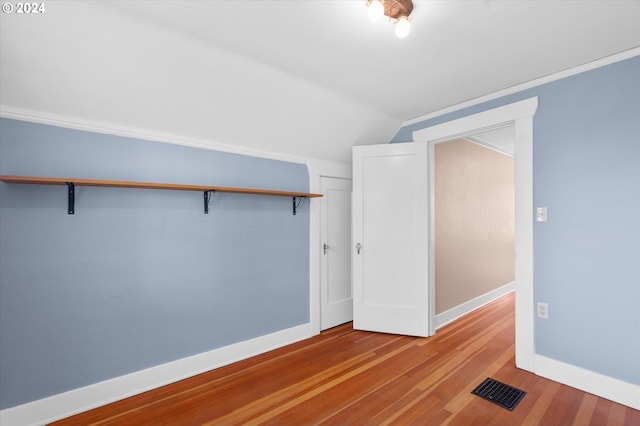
(66,404)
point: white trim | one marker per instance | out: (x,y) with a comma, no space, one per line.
(521,114)
(530,84)
(480,122)
(431,166)
(14,113)
(523,166)
(314,254)
(82,399)
(456,312)
(598,384)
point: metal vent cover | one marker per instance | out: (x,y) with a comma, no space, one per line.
(499,393)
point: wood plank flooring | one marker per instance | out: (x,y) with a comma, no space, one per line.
(347,377)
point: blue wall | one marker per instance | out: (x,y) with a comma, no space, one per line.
(138,277)
(586,157)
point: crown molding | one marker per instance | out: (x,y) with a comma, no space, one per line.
(15,113)
(627,54)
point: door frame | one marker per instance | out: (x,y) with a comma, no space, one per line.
(520,114)
(318,169)
(336,312)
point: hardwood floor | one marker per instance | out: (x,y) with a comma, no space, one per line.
(347,377)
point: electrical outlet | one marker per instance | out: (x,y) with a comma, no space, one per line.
(543,310)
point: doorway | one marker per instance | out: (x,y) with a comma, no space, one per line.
(336,303)
(520,114)
(474,222)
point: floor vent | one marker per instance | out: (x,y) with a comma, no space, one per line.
(504,395)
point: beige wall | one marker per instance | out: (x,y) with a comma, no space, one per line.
(474,225)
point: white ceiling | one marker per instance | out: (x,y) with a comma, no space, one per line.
(303,78)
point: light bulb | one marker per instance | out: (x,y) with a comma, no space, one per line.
(403,27)
(376,10)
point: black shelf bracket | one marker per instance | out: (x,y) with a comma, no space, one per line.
(71,192)
(296,205)
(207,198)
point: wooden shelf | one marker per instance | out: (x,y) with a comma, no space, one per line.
(71,183)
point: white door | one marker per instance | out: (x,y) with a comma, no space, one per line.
(336,303)
(390,239)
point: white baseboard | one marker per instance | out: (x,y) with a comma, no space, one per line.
(453,314)
(78,400)
(82,399)
(588,381)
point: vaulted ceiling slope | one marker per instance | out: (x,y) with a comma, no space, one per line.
(301,78)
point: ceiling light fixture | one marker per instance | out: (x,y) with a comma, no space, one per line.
(398,12)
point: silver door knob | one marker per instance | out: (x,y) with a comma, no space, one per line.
(358,247)
(325,246)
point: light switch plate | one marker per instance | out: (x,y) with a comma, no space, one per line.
(541,214)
